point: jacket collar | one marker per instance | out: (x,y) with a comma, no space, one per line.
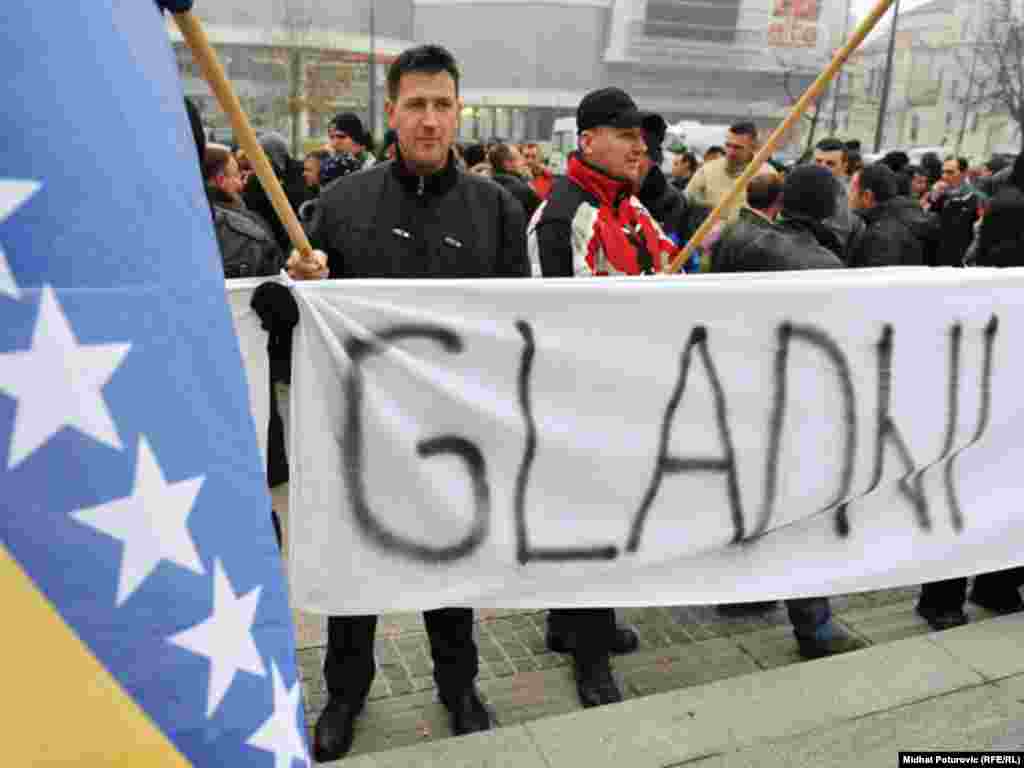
(889,209)
(755,217)
(218,197)
(433,185)
(609,190)
(654,186)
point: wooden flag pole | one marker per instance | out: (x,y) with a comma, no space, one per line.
(194,34)
(812,93)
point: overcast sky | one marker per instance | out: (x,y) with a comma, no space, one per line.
(861,7)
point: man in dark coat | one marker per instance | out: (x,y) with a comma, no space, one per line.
(764,203)
(956,204)
(512,172)
(897,232)
(290,173)
(678,216)
(418,216)
(794,242)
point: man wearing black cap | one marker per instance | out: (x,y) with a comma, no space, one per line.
(592,224)
(346,134)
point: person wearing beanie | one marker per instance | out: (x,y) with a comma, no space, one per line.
(679,217)
(347,135)
(794,242)
(791,242)
(290,173)
(593,225)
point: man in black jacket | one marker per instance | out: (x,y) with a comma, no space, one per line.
(897,231)
(246,246)
(511,172)
(290,173)
(678,216)
(956,204)
(764,202)
(795,242)
(417,216)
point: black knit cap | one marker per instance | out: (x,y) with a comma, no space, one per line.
(810,190)
(655,129)
(350,124)
(610,107)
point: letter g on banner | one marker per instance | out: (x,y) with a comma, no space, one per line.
(353,454)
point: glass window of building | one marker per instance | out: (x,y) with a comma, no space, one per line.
(485,123)
(503,123)
(467,124)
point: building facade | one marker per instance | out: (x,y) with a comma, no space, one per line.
(933,99)
(524,63)
(528,62)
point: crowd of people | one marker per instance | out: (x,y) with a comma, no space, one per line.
(424,206)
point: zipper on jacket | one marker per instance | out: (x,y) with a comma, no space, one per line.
(422,186)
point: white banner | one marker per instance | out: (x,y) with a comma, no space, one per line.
(644,441)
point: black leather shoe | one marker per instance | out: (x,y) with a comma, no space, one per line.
(595,683)
(626,640)
(1005,600)
(332,738)
(840,642)
(941,618)
(468,713)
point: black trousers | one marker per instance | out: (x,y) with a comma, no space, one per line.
(349,665)
(950,594)
(590,631)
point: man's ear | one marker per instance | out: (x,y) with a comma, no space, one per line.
(585,142)
(389,110)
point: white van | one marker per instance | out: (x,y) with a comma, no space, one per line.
(563,141)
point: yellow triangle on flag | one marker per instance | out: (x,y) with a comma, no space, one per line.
(63,707)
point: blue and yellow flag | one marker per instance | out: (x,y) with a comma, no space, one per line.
(146,615)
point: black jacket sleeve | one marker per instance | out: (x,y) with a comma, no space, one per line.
(513,261)
(554,248)
(321,231)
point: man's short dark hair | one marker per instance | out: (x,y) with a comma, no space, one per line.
(499,157)
(215,161)
(474,154)
(880,180)
(854,161)
(714,149)
(429,59)
(832,144)
(744,128)
(319,155)
(896,160)
(764,191)
(961,162)
(854,145)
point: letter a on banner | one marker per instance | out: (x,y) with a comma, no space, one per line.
(138,556)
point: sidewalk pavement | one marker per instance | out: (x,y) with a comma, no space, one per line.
(686,655)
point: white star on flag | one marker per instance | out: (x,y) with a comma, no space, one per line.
(58,383)
(152,523)
(280,733)
(225,638)
(12,195)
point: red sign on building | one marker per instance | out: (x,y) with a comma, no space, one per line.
(794,24)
